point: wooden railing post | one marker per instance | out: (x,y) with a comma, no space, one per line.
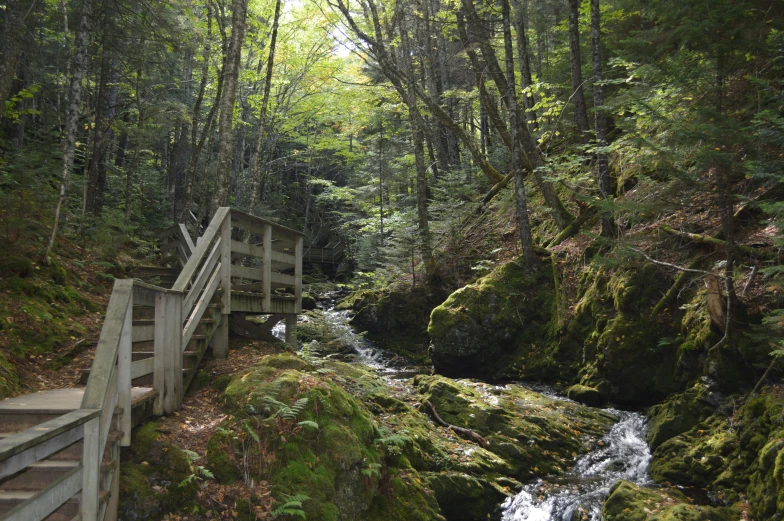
(298,249)
(267,268)
(124,375)
(167,377)
(220,339)
(91,469)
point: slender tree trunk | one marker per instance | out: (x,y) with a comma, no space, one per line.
(524,59)
(523,225)
(12,25)
(575,63)
(97,178)
(257,176)
(526,141)
(225,125)
(602,162)
(196,146)
(417,139)
(74,98)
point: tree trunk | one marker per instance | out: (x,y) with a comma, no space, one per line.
(257,180)
(526,141)
(12,25)
(523,225)
(602,162)
(523,57)
(417,138)
(74,98)
(575,63)
(225,123)
(197,146)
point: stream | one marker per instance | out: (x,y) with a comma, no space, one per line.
(576,495)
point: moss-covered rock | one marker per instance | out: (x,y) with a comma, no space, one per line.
(531,433)
(463,497)
(396,317)
(313,437)
(16,267)
(679,413)
(160,478)
(586,395)
(628,502)
(736,452)
(497,327)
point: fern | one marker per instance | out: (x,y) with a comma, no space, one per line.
(309,424)
(287,412)
(292,507)
(251,432)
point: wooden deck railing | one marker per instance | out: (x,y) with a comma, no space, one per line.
(332,253)
(105,417)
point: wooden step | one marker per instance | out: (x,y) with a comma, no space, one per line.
(12,498)
(39,475)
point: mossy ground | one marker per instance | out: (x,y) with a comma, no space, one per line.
(736,453)
(628,502)
(48,315)
(361,447)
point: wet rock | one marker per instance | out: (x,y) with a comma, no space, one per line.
(585,395)
(629,502)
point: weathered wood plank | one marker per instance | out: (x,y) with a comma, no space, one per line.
(245,272)
(124,376)
(167,376)
(25,448)
(212,231)
(143,333)
(142,367)
(92,449)
(185,237)
(255,224)
(248,250)
(40,505)
(225,270)
(201,306)
(97,390)
(298,250)
(201,279)
(267,266)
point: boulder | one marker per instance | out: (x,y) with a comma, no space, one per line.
(585,395)
(497,327)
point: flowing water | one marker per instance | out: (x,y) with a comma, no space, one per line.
(576,495)
(579,494)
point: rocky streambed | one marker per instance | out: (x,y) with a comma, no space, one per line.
(542,457)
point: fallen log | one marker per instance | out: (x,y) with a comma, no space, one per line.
(715,241)
(464,433)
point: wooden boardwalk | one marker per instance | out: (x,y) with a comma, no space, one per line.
(59,450)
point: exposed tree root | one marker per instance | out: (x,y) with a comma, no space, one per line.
(464,433)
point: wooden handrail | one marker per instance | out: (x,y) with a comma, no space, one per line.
(178,311)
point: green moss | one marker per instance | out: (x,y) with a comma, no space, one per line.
(584,394)
(16,267)
(221,382)
(733,455)
(143,439)
(462,496)
(628,502)
(498,327)
(58,274)
(9,378)
(678,414)
(220,463)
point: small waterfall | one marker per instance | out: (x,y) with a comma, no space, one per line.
(578,495)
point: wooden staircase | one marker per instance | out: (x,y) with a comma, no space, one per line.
(60,449)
